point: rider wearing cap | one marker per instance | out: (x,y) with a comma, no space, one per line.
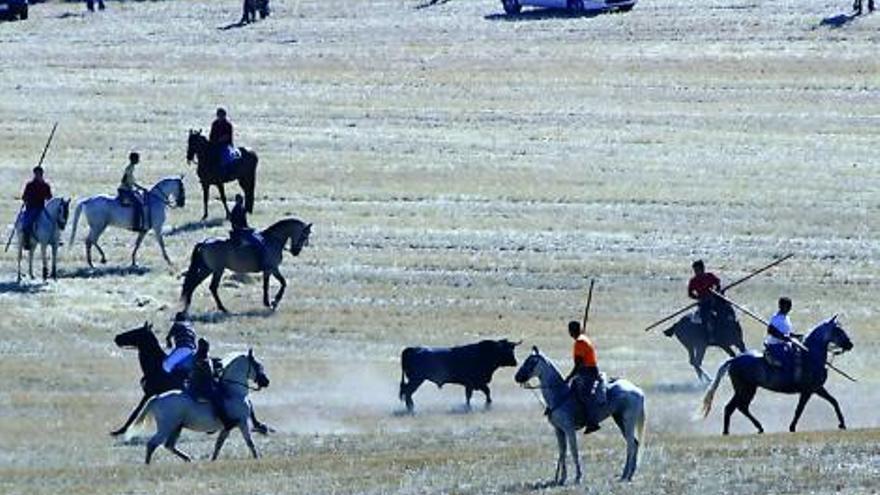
(700,287)
(587,384)
(36,193)
(183,336)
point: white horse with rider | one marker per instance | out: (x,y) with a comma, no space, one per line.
(175,410)
(625,403)
(46,231)
(104,210)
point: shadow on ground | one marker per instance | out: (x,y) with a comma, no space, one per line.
(194,226)
(838,21)
(103,271)
(21,288)
(219,316)
(543,14)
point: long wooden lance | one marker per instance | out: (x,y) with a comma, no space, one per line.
(587,309)
(766,323)
(725,288)
(40,163)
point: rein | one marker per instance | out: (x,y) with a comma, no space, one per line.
(162,196)
(246,384)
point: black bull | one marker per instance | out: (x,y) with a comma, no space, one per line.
(470,365)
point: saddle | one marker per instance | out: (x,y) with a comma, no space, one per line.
(789,361)
(590,398)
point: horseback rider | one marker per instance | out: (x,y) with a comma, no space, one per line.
(36,193)
(700,287)
(221,138)
(131,193)
(183,336)
(778,344)
(587,383)
(242,233)
(203,382)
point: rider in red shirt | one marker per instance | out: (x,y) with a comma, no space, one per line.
(700,288)
(35,195)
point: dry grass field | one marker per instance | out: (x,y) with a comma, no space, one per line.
(467,173)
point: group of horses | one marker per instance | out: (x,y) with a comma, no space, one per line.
(209,258)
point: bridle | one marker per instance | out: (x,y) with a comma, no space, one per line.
(164,197)
(246,384)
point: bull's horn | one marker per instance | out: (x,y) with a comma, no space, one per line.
(518,342)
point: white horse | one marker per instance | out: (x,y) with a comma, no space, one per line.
(625,403)
(176,410)
(46,230)
(103,210)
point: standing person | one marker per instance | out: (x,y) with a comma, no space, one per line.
(779,335)
(183,336)
(130,192)
(90,4)
(36,193)
(221,137)
(587,385)
(700,288)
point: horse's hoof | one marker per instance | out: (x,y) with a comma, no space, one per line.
(791,429)
(842,426)
(761,431)
(116,433)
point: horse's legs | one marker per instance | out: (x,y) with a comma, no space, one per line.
(221,438)
(729,350)
(261,428)
(101,252)
(575,455)
(627,425)
(468,393)
(409,388)
(246,433)
(137,245)
(802,402)
(215,284)
(45,261)
(172,441)
(31,263)
(728,412)
(743,405)
(485,389)
(205,187)
(222,189)
(280,279)
(560,476)
(266,290)
(54,260)
(158,232)
(18,277)
(827,396)
(131,417)
(155,441)
(697,353)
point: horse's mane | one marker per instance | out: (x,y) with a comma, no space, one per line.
(281,224)
(230,357)
(550,362)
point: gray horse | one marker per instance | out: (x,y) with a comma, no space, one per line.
(176,410)
(728,336)
(749,371)
(213,256)
(626,404)
(46,231)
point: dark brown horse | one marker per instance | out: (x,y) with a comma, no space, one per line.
(212,173)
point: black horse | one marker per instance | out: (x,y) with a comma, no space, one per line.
(155,380)
(727,335)
(750,370)
(212,173)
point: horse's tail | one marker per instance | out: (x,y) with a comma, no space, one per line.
(403,360)
(710,392)
(139,420)
(641,423)
(79,207)
(197,272)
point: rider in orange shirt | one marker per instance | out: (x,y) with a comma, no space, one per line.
(585,373)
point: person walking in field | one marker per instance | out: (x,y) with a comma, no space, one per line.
(700,288)
(36,193)
(586,382)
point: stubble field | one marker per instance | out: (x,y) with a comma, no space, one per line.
(467,174)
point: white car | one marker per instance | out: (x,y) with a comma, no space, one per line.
(515,6)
